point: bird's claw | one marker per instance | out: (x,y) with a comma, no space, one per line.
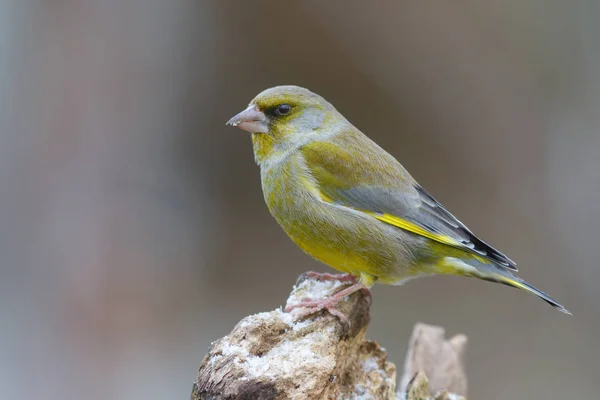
(314,306)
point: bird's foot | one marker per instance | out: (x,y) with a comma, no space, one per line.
(343,278)
(312,306)
(326,276)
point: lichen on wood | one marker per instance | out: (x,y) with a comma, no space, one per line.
(275,356)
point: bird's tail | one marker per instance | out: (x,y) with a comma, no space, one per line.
(521,284)
(493,273)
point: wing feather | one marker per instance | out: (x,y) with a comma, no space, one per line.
(391,195)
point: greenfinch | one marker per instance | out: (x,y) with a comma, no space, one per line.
(349,204)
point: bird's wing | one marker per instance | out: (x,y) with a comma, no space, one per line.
(362,176)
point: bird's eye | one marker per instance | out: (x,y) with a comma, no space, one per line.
(283,109)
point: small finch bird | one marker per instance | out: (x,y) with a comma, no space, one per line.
(348,203)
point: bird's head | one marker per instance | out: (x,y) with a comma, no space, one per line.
(285,117)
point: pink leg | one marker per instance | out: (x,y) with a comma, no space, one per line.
(326,276)
(344,278)
(314,306)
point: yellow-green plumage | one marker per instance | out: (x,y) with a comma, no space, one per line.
(345,201)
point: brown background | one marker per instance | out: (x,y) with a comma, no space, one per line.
(133,231)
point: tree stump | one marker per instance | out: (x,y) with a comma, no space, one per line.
(274,356)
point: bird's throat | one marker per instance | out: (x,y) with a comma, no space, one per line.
(263,146)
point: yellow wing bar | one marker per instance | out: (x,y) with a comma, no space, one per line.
(403,224)
(414,228)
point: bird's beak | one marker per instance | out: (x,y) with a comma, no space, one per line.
(251,119)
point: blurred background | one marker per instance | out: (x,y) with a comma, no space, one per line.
(133,230)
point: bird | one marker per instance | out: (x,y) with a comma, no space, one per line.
(351,205)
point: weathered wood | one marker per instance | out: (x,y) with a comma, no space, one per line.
(441,360)
(273,356)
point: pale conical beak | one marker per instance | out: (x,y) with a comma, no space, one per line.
(251,119)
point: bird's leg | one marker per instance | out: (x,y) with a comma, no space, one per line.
(328,303)
(326,276)
(344,278)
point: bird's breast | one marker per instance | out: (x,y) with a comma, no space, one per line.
(289,191)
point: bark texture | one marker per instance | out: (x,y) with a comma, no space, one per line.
(441,360)
(274,355)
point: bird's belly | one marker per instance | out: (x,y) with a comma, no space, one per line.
(361,246)
(335,254)
(347,240)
